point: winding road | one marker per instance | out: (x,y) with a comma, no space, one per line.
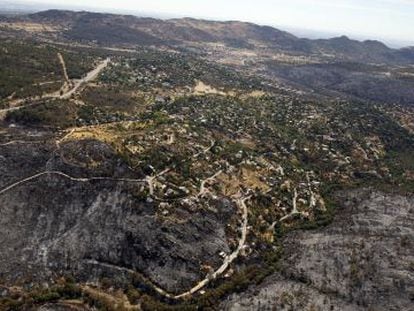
(294,211)
(238,199)
(241,203)
(203,189)
(150,179)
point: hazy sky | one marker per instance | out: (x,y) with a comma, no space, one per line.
(382,19)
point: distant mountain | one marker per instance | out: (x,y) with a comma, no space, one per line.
(407,53)
(233,32)
(127,30)
(370,50)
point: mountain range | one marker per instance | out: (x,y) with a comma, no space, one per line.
(127,30)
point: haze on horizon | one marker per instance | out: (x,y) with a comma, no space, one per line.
(391,21)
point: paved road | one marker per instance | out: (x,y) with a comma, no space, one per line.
(89,77)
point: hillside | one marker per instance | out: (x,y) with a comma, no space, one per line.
(187,164)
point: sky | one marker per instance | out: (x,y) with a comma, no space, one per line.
(389,20)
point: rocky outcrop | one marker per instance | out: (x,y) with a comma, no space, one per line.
(364,260)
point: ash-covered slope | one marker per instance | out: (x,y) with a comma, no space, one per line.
(54,225)
(362,261)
